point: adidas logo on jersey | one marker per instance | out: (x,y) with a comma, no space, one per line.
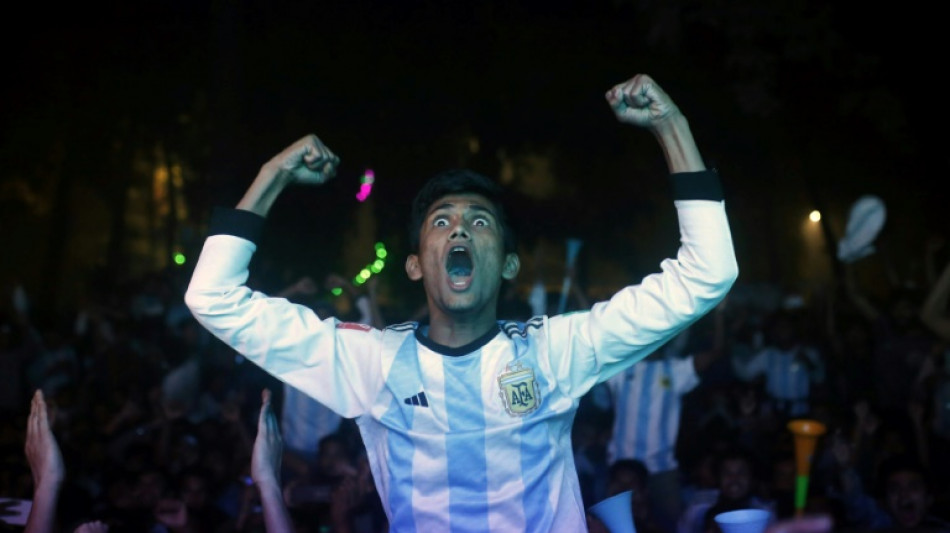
(417,399)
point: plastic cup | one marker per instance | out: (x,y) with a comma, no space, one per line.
(615,513)
(743,521)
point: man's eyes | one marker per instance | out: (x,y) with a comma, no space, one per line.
(441,222)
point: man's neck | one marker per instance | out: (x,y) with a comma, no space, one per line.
(454,331)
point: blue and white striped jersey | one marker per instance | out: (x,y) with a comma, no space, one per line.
(648,400)
(787,377)
(475,438)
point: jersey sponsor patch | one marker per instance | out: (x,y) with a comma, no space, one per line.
(353,325)
(520,393)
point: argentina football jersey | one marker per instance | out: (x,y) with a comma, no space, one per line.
(648,403)
(459,432)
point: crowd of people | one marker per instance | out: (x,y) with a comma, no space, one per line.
(164,406)
(155,417)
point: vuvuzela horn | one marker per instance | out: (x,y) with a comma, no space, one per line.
(806,433)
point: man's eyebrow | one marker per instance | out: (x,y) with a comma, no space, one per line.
(474,207)
(444,205)
(482,208)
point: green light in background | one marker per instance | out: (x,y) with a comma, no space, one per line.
(375,268)
(381,253)
(379,264)
(179,258)
(336,291)
(380,246)
(358,280)
(365,274)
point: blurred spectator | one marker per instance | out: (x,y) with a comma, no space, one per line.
(647,401)
(310,496)
(790,365)
(18,345)
(355,506)
(632,475)
(901,346)
(55,366)
(736,475)
(906,499)
(849,344)
(700,485)
(195,484)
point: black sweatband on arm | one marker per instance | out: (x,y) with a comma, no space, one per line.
(701,185)
(236,222)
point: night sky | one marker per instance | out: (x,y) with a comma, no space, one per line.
(799,104)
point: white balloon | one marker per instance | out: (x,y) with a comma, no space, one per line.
(865,222)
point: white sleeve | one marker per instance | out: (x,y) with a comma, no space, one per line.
(590,347)
(335,363)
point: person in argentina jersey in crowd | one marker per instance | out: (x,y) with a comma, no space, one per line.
(467,418)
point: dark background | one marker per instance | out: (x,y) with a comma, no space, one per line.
(799,104)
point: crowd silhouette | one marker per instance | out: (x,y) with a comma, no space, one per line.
(125,415)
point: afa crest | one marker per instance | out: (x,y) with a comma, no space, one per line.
(520,392)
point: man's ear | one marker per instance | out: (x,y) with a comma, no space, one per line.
(512,266)
(412,267)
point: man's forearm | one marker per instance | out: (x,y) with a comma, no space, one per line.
(679,148)
(265,189)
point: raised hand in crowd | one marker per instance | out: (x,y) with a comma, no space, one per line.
(265,469)
(46,464)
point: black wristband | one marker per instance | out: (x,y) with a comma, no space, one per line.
(701,185)
(236,222)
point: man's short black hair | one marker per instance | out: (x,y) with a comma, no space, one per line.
(459,181)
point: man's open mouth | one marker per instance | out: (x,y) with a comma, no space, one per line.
(459,265)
